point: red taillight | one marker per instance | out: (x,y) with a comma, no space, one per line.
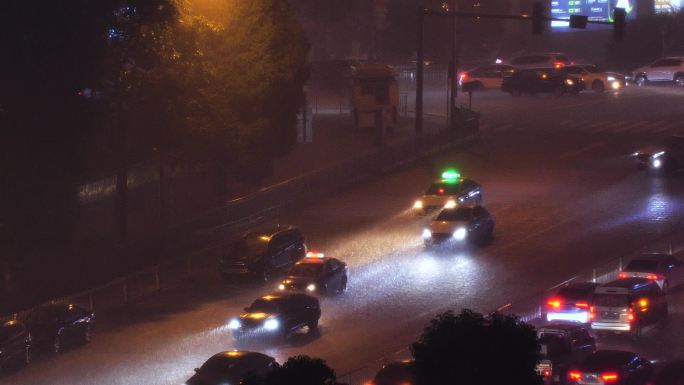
(440,191)
(591,313)
(574,375)
(610,377)
(652,277)
(622,275)
(547,373)
(557,65)
(464,76)
(554,303)
(582,304)
(630,314)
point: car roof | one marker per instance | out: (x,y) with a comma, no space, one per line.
(608,359)
(626,284)
(315,260)
(241,354)
(269,230)
(287,296)
(580,285)
(652,257)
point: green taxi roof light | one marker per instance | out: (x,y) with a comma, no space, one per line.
(451,175)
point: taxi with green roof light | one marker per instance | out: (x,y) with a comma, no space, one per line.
(449,191)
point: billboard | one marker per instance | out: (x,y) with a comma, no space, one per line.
(597,10)
(668,6)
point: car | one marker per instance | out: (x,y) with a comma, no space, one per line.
(395,373)
(594,77)
(318,274)
(448,192)
(668,156)
(666,269)
(562,345)
(460,225)
(264,253)
(15,344)
(627,305)
(671,374)
(612,367)
(541,80)
(484,77)
(57,326)
(278,314)
(232,367)
(546,60)
(663,70)
(571,303)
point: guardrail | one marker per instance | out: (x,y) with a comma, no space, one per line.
(268,202)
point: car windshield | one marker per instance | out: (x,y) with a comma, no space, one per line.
(309,270)
(266,306)
(444,189)
(554,344)
(460,214)
(43,315)
(642,265)
(573,293)
(611,300)
(6,332)
(250,245)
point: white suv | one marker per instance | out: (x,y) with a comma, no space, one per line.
(544,60)
(668,69)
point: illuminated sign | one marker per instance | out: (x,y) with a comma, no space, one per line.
(596,10)
(668,6)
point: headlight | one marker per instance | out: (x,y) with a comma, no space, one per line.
(234,324)
(450,204)
(460,234)
(427,233)
(271,324)
(418,205)
(311,287)
(569,82)
(658,154)
(615,84)
(281,287)
(610,78)
(461,199)
(657,163)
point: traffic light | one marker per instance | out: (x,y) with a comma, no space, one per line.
(538,18)
(619,16)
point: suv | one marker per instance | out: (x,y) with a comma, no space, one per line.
(547,60)
(665,269)
(277,314)
(571,303)
(562,345)
(263,253)
(627,305)
(484,77)
(15,344)
(232,367)
(59,325)
(669,69)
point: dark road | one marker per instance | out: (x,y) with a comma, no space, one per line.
(566,197)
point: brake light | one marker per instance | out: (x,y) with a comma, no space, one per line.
(630,314)
(622,275)
(554,303)
(575,375)
(558,65)
(652,277)
(591,313)
(547,373)
(440,191)
(582,304)
(464,76)
(609,377)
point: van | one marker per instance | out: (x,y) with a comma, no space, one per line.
(627,305)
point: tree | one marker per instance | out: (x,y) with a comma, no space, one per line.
(472,349)
(302,370)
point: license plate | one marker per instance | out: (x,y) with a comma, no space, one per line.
(611,315)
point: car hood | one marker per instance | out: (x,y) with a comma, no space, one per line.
(255,319)
(212,378)
(299,283)
(447,226)
(650,150)
(437,200)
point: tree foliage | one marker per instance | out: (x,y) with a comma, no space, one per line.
(302,370)
(472,349)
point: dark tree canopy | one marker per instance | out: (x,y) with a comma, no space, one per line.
(469,348)
(302,370)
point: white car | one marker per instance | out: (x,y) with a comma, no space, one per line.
(485,77)
(543,60)
(666,269)
(665,70)
(595,78)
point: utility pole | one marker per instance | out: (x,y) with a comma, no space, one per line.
(420,60)
(453,68)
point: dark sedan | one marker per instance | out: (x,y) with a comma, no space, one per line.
(60,325)
(15,344)
(612,367)
(316,274)
(395,373)
(232,368)
(541,80)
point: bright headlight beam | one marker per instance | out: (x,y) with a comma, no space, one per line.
(271,324)
(427,233)
(460,234)
(418,204)
(281,287)
(615,84)
(450,204)
(311,287)
(234,324)
(657,163)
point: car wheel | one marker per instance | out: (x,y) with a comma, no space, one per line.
(640,81)
(57,344)
(343,286)
(679,81)
(598,86)
(87,334)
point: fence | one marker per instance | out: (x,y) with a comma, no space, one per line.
(269,202)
